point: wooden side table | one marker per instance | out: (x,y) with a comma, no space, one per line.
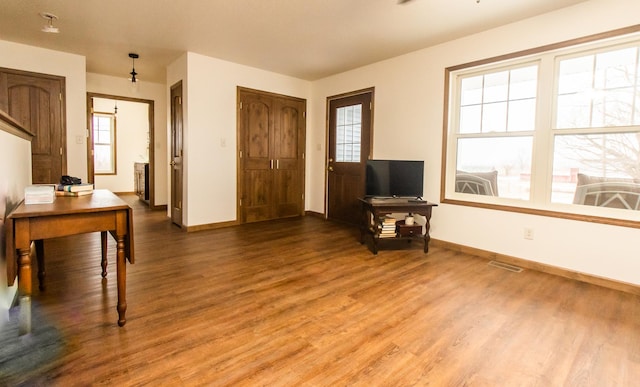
(373,209)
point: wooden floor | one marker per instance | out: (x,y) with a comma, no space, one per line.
(302,302)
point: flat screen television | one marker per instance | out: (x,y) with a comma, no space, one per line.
(394,178)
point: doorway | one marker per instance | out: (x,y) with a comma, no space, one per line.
(350,134)
(118,107)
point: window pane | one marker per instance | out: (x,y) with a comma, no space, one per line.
(573,111)
(494,117)
(576,75)
(470,117)
(509,156)
(471,91)
(616,69)
(103,137)
(613,156)
(523,83)
(348,133)
(522,115)
(496,87)
(614,109)
(102,159)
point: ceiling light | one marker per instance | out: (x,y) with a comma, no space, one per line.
(49,28)
(133,73)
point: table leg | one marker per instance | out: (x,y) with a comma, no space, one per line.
(427,237)
(24,285)
(103,263)
(122,278)
(41,269)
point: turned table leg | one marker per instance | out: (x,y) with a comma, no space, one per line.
(103,242)
(41,268)
(24,288)
(122,285)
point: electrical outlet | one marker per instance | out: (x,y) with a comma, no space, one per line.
(528,233)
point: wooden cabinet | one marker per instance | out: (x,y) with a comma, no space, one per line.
(141,180)
(271,155)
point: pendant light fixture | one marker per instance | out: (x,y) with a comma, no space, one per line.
(49,28)
(135,82)
(133,73)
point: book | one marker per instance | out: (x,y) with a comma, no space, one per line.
(39,194)
(75,187)
(73,194)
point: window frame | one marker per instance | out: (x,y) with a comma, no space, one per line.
(540,195)
(113,145)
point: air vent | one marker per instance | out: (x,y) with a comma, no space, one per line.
(505,266)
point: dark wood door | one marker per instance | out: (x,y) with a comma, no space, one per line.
(288,153)
(349,148)
(36,102)
(176,154)
(271,156)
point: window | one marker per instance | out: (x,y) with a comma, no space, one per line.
(348,133)
(497,119)
(557,130)
(104,144)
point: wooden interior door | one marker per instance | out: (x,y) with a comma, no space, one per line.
(176,154)
(271,140)
(288,153)
(36,101)
(349,136)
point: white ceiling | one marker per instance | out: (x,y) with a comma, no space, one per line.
(307,39)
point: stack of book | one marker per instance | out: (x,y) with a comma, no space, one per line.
(74,190)
(39,194)
(387,227)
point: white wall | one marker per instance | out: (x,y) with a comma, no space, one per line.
(210,129)
(408,122)
(103,84)
(70,66)
(132,131)
(15,174)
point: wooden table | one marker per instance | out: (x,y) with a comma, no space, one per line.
(101,211)
(375,208)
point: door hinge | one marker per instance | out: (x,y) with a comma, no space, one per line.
(302,155)
(179,100)
(304,114)
(240,105)
(370,105)
(87,133)
(240,154)
(60,151)
(60,96)
(240,202)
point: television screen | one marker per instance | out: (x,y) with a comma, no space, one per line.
(394,178)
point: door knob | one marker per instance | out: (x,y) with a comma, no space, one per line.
(172,163)
(330,168)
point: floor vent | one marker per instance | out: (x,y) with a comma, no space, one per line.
(505,266)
